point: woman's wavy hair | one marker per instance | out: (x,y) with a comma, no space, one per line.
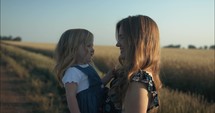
(143,51)
(66,49)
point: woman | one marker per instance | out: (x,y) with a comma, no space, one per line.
(134,89)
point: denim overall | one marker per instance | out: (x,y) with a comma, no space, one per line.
(90,100)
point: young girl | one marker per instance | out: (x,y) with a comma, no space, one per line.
(82,84)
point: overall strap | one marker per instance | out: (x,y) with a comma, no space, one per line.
(93,76)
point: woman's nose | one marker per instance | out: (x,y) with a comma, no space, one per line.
(92,50)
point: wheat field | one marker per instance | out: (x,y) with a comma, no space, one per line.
(187,76)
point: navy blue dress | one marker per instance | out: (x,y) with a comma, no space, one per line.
(90,100)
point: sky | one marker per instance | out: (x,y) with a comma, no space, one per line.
(180,22)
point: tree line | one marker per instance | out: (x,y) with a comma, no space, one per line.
(190,46)
(11,38)
(168,46)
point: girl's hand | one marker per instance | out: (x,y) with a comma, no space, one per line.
(111,73)
(108,76)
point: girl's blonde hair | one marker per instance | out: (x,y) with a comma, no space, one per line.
(142,38)
(66,49)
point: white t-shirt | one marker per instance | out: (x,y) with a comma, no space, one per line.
(73,74)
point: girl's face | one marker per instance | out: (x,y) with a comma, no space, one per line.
(121,43)
(85,53)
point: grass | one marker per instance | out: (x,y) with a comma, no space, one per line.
(41,80)
(189,70)
(19,70)
(187,75)
(174,101)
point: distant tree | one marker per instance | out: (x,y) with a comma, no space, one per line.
(6,38)
(10,38)
(205,47)
(172,46)
(212,47)
(191,47)
(17,39)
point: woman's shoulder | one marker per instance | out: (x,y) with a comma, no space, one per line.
(141,76)
(145,78)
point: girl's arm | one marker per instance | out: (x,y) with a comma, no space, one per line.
(108,76)
(137,98)
(71,97)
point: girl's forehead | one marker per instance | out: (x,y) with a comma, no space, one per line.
(90,41)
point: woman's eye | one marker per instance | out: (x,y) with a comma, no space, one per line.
(121,38)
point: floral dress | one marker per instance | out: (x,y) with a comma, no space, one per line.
(145,78)
(142,77)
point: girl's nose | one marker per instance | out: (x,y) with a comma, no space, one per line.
(117,44)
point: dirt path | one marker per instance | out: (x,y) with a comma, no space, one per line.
(12,99)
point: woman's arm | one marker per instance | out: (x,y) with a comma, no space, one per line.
(136,99)
(71,97)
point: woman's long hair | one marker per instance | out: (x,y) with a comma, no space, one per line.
(143,52)
(66,49)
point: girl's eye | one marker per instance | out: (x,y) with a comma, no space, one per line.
(90,45)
